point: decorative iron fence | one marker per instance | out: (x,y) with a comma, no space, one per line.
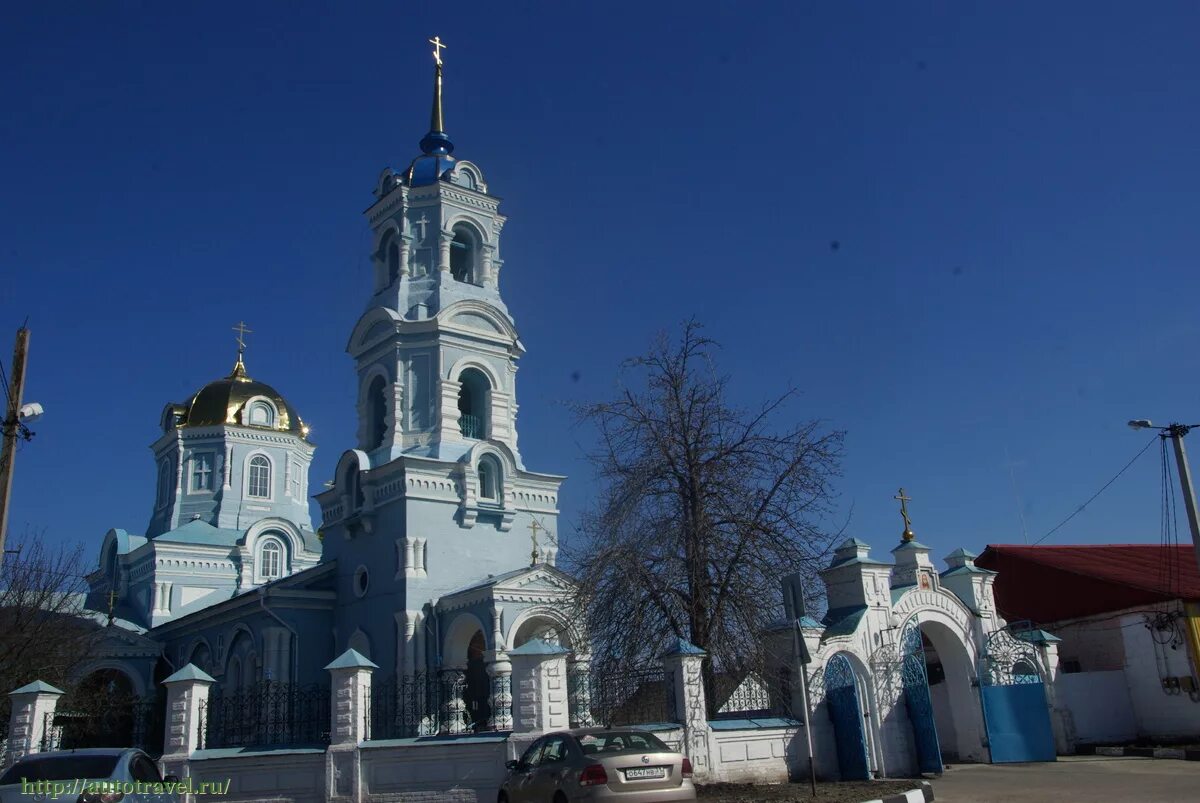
(635,696)
(107,722)
(446,702)
(268,713)
(754,694)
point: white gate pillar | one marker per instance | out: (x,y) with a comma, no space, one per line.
(682,662)
(32,706)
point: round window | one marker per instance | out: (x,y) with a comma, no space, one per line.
(361,580)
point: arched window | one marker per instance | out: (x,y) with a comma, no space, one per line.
(389,249)
(463,250)
(164,483)
(489,479)
(261,415)
(376,413)
(270,560)
(473,403)
(259,485)
(354,487)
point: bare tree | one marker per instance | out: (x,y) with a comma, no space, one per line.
(42,633)
(703,507)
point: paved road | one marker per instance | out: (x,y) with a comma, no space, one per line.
(1070,779)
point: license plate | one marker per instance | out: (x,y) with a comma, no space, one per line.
(640,773)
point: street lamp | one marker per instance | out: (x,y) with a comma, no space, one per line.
(1176,432)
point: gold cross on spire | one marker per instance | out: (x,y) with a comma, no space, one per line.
(534,526)
(438,47)
(239,368)
(908,534)
(242,332)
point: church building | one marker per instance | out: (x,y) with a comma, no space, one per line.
(436,547)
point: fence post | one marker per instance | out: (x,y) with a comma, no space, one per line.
(540,675)
(682,662)
(32,706)
(187,703)
(349,713)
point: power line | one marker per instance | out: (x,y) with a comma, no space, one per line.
(1103,488)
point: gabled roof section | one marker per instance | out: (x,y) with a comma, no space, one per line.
(1054,583)
(843,621)
(542,577)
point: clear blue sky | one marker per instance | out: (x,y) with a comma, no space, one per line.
(1014,188)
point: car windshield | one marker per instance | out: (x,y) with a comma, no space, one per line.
(618,741)
(59,768)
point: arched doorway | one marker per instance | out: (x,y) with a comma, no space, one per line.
(918,700)
(478,689)
(844,703)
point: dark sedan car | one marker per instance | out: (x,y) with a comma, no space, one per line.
(595,764)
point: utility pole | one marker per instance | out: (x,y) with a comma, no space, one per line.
(1176,432)
(12,428)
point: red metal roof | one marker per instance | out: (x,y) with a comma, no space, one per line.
(1052,583)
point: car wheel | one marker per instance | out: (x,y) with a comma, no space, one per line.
(559,797)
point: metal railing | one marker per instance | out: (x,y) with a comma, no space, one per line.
(753,694)
(427,704)
(268,713)
(471,426)
(635,696)
(107,722)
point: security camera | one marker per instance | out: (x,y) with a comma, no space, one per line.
(30,412)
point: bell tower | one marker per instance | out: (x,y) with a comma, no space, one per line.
(436,349)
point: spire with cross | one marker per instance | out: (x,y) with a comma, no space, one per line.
(908,534)
(239,368)
(436,143)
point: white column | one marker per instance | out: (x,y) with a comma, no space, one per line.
(499,669)
(444,240)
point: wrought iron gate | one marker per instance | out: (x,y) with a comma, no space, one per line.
(105,721)
(1015,713)
(917,699)
(845,709)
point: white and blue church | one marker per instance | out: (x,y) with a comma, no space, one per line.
(435,550)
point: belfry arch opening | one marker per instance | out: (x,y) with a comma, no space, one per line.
(376,412)
(390,249)
(464,256)
(473,404)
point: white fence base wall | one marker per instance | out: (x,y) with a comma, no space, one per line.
(757,755)
(456,772)
(272,775)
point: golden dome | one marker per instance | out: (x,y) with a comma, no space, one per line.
(228,401)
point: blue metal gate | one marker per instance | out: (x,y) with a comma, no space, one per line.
(917,699)
(845,709)
(1015,712)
